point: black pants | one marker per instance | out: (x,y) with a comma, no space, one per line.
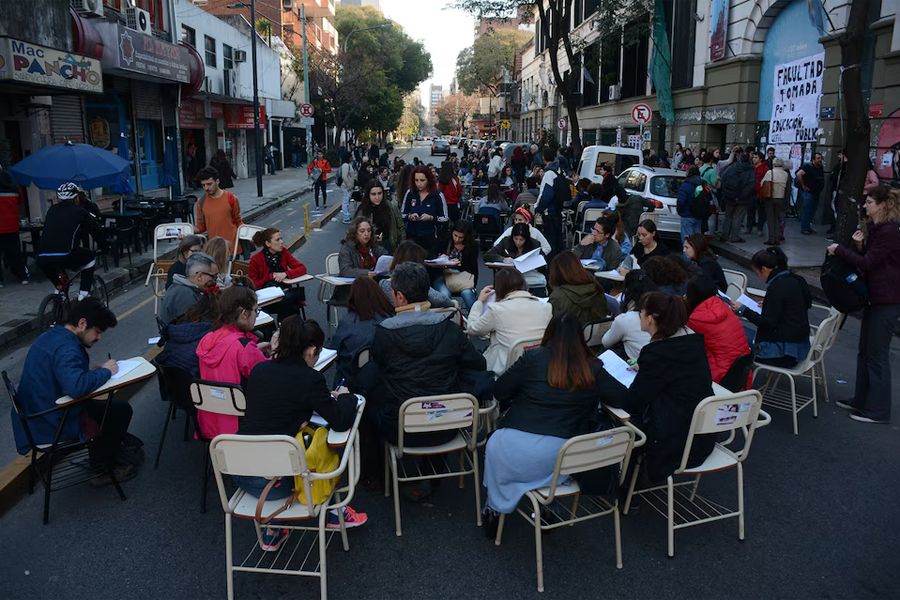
(321,184)
(756,215)
(426,241)
(74,260)
(9,248)
(873,363)
(107,442)
(289,305)
(553,233)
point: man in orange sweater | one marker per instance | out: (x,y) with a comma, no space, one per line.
(323,168)
(218,212)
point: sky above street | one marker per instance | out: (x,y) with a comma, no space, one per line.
(444,31)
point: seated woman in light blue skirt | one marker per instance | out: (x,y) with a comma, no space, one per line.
(552,393)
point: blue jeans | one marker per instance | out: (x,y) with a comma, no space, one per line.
(255,486)
(468,296)
(345,204)
(689,225)
(810,201)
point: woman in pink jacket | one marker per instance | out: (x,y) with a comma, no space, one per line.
(229,352)
(723,334)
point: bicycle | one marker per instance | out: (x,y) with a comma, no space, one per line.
(54,307)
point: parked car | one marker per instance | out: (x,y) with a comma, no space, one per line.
(618,157)
(660,186)
(509,147)
(440,147)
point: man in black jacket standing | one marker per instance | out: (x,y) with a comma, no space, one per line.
(418,353)
(737,192)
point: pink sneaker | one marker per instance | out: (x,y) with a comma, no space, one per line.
(351,519)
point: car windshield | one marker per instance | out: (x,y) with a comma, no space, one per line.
(665,186)
(441,142)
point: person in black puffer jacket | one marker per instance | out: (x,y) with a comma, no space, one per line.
(180,339)
(782,330)
(673,377)
(417,353)
(737,192)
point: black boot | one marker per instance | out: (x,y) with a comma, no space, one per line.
(490,521)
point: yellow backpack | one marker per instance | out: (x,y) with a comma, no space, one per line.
(320,458)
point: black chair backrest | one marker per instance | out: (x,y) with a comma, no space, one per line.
(14,398)
(175,386)
(735,379)
(486,223)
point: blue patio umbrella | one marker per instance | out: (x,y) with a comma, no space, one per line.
(170,163)
(123,185)
(86,165)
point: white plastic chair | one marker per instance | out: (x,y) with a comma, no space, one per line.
(519,348)
(159,268)
(219,398)
(283,456)
(737,283)
(244,233)
(826,346)
(326,290)
(714,415)
(579,454)
(790,399)
(429,414)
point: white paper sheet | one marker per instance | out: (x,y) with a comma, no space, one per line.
(750,303)
(530,261)
(264,318)
(269,293)
(439,261)
(617,367)
(346,279)
(490,300)
(153,341)
(326,354)
(383,264)
(588,261)
(125,367)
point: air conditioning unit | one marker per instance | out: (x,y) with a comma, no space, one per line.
(240,56)
(288,4)
(92,8)
(615,92)
(231,82)
(208,85)
(139,20)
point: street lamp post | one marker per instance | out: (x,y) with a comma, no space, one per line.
(256,132)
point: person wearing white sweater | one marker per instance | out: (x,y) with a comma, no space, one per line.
(508,313)
(626,328)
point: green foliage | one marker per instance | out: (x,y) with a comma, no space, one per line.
(443,126)
(480,67)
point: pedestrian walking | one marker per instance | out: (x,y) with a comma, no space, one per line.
(10,200)
(223,168)
(319,170)
(219,211)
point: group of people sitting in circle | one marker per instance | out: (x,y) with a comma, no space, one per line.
(668,321)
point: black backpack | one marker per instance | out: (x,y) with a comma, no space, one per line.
(701,202)
(562,192)
(844,287)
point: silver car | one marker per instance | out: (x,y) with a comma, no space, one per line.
(660,186)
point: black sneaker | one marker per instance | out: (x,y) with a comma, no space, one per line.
(845,404)
(861,418)
(807,232)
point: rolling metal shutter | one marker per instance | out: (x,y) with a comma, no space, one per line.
(67,119)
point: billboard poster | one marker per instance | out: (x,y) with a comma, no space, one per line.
(718,37)
(796,95)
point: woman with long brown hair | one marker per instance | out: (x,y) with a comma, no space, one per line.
(384,214)
(551,394)
(409,251)
(424,209)
(575,290)
(366,308)
(696,249)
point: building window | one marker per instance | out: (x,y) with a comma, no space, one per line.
(682,27)
(188,35)
(227,57)
(157,14)
(210,45)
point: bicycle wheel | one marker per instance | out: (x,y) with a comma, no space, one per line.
(51,311)
(98,291)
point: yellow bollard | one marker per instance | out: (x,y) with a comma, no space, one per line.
(306,229)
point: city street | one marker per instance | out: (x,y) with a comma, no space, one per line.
(821,510)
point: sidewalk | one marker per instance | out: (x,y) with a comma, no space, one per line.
(19,303)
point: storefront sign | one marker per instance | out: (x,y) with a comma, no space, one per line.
(875,110)
(797,93)
(128,50)
(100,133)
(191,114)
(240,116)
(39,65)
(216,110)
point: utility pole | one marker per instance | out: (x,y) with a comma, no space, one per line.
(256,131)
(309,155)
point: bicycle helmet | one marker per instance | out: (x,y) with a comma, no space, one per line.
(68,191)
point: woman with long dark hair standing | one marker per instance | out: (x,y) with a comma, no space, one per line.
(223,168)
(518,164)
(551,394)
(384,214)
(424,209)
(877,255)
(451,188)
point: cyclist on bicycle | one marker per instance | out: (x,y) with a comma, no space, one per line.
(64,230)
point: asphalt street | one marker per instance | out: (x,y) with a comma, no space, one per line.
(821,513)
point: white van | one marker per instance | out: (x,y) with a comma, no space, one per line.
(619,158)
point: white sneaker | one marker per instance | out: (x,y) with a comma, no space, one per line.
(82,295)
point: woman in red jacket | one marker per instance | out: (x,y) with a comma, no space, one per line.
(271,266)
(723,334)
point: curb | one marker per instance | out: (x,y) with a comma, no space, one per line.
(136,272)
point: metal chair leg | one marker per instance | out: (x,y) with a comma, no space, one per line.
(162,439)
(205,476)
